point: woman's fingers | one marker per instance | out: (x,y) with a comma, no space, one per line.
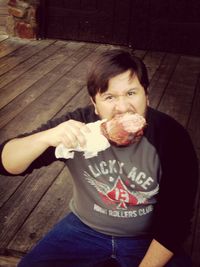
(76,133)
(71,133)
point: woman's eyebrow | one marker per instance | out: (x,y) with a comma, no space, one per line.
(114,93)
(106,93)
(133,88)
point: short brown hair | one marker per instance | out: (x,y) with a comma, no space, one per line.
(110,64)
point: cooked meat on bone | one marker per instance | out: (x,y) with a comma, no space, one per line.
(124,129)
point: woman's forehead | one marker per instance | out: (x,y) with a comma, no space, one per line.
(124,81)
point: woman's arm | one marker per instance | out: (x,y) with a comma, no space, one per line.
(156,256)
(19,153)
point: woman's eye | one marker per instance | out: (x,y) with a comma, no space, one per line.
(109,97)
(131,93)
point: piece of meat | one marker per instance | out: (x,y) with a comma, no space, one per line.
(124,129)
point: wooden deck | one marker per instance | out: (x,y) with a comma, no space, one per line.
(43,79)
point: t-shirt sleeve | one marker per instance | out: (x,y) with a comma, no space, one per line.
(178,185)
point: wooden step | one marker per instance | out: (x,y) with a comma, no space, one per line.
(7,261)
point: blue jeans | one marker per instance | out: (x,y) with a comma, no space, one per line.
(73,244)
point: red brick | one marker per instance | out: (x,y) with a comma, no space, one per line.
(25,30)
(12,2)
(18,3)
(17,12)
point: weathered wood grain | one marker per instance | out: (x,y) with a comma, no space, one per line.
(49,103)
(80,72)
(3,37)
(27,64)
(194,121)
(10,91)
(15,211)
(11,44)
(81,99)
(153,61)
(140,53)
(7,261)
(178,97)
(46,214)
(8,185)
(161,79)
(23,53)
(67,60)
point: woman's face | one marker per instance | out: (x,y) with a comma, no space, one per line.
(124,94)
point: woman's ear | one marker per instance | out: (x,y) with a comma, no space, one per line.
(94,104)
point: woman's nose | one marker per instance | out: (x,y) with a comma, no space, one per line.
(122,105)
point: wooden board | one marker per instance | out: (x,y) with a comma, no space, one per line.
(47,105)
(23,53)
(7,261)
(140,53)
(47,213)
(17,209)
(194,122)
(3,37)
(91,22)
(20,69)
(179,93)
(161,78)
(66,59)
(81,99)
(152,61)
(157,25)
(11,44)
(8,185)
(10,91)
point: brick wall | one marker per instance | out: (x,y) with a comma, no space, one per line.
(22,19)
(3,16)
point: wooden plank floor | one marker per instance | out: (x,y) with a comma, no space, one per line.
(43,79)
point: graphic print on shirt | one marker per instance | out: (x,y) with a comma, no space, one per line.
(118,191)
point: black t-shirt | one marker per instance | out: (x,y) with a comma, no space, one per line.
(145,188)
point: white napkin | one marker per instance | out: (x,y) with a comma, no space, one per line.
(95,142)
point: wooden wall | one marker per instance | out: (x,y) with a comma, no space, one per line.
(168,25)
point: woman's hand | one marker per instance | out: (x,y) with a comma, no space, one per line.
(19,153)
(69,133)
